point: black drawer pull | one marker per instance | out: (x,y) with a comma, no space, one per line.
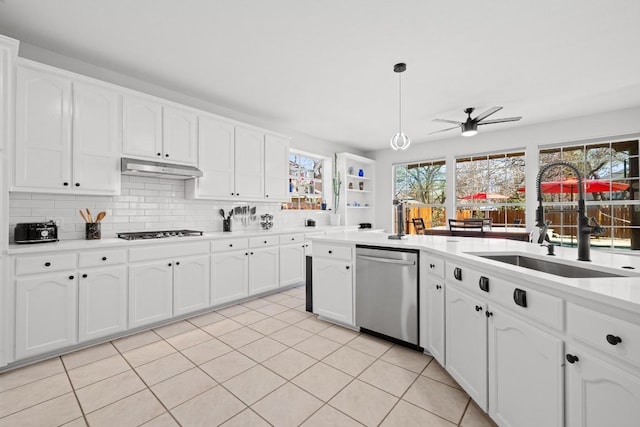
(65,184)
(613,340)
(432,266)
(104,258)
(438,287)
(84,276)
(488,314)
(572,359)
(457,273)
(520,297)
(478,308)
(484,283)
(47,264)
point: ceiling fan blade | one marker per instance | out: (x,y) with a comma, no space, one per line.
(508,119)
(444,130)
(447,121)
(487,113)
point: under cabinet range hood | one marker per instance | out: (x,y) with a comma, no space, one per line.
(158,169)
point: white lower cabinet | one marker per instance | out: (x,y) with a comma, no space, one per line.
(102,308)
(150,292)
(333,290)
(263,269)
(229,276)
(432,321)
(46,313)
(190,284)
(292,264)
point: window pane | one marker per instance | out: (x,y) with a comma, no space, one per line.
(305,182)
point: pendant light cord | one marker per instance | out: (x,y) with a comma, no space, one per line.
(400,102)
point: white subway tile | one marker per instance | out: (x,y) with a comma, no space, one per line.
(163,187)
(32,203)
(19,196)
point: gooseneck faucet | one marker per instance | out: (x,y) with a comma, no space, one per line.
(585,229)
(399,204)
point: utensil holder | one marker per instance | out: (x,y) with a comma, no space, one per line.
(93,231)
(226,224)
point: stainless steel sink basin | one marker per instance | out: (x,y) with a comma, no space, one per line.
(549,267)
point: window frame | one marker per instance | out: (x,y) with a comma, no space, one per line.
(326,172)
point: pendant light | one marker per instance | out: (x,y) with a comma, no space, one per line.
(400,141)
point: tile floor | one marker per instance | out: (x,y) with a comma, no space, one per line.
(260,363)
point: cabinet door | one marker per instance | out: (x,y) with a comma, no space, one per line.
(525,374)
(229,276)
(249,170)
(216,159)
(466,342)
(432,317)
(103,302)
(292,264)
(141,127)
(150,293)
(46,313)
(43,130)
(179,136)
(276,168)
(600,394)
(96,139)
(190,284)
(263,269)
(333,290)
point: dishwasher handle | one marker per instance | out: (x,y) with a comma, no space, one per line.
(386,260)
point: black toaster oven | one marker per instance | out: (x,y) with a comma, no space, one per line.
(36,232)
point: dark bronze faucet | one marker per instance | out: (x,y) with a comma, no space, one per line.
(585,229)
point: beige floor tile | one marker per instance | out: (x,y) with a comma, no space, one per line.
(130,411)
(330,417)
(438,398)
(272,309)
(317,346)
(227,366)
(322,381)
(255,303)
(338,334)
(54,412)
(390,378)
(301,308)
(233,310)
(262,349)
(88,355)
(206,351)
(408,415)
(291,302)
(240,337)
(476,417)
(97,371)
(276,297)
(298,291)
(135,341)
(269,325)
(406,358)
(148,353)
(78,422)
(173,329)
(164,420)
(364,402)
(105,392)
(291,336)
(249,317)
(222,327)
(370,345)
(252,385)
(211,408)
(188,339)
(437,372)
(246,418)
(182,387)
(206,319)
(289,363)
(313,325)
(163,368)
(292,316)
(298,403)
(31,373)
(349,360)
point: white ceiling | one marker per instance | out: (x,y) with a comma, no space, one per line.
(325,67)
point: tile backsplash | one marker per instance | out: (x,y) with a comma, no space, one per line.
(145,204)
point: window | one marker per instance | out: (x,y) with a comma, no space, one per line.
(423,187)
(491,187)
(611,172)
(306,181)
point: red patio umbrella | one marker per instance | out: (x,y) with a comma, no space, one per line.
(570,185)
(483,196)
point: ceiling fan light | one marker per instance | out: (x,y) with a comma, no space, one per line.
(469,129)
(400,141)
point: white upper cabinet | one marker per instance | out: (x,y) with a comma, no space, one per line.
(141,127)
(180,141)
(217,158)
(276,168)
(249,167)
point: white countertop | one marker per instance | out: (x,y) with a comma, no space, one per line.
(622,292)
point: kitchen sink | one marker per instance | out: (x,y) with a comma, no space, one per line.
(549,267)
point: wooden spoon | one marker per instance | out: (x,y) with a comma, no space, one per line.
(101,216)
(82,215)
(89,215)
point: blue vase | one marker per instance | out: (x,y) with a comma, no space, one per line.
(360,172)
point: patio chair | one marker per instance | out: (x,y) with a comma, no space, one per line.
(466,225)
(418,224)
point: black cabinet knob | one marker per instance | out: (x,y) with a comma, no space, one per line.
(65,184)
(71,277)
(438,287)
(159,154)
(251,253)
(84,276)
(47,264)
(177,262)
(104,258)
(237,194)
(478,308)
(613,340)
(330,252)
(265,242)
(488,314)
(169,264)
(293,238)
(432,266)
(246,253)
(233,194)
(347,267)
(266,195)
(166,155)
(230,245)
(77,184)
(457,273)
(572,359)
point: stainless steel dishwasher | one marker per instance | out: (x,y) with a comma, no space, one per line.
(387,292)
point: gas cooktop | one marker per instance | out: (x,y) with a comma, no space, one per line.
(158,234)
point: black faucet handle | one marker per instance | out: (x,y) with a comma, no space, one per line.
(596,228)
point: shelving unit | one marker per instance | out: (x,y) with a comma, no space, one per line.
(356,204)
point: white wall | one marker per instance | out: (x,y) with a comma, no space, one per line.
(611,126)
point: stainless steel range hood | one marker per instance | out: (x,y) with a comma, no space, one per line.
(158,169)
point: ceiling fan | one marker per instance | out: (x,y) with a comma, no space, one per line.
(470,126)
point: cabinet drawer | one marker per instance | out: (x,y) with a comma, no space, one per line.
(540,307)
(229,245)
(291,238)
(465,277)
(614,336)
(332,251)
(258,242)
(168,251)
(45,263)
(432,264)
(95,259)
